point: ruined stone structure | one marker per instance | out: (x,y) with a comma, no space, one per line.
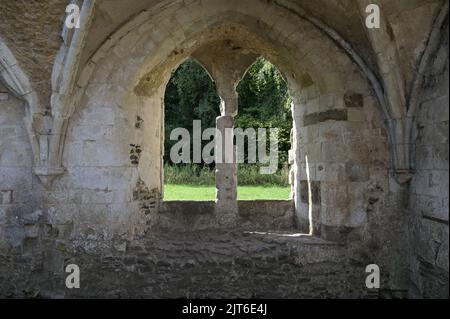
(81,129)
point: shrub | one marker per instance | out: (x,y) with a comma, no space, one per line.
(248,175)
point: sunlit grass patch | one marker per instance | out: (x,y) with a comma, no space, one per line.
(208,193)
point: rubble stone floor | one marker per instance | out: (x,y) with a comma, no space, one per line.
(207,264)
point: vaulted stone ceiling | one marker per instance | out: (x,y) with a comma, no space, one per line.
(32,29)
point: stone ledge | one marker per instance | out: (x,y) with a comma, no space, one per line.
(260,214)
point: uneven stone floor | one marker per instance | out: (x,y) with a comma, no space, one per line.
(189,265)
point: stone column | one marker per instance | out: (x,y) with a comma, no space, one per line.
(227,63)
(226,172)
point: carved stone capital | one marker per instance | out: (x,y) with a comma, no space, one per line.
(403,176)
(48,174)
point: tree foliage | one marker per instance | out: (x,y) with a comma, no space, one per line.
(263,102)
(190,95)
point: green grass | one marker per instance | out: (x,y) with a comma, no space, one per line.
(248,175)
(195,183)
(208,193)
(264,192)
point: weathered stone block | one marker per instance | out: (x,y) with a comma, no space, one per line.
(440,156)
(431,206)
(88,177)
(334,153)
(31,231)
(329,172)
(308,134)
(357,172)
(327,102)
(356,115)
(308,171)
(330,115)
(333,115)
(353,100)
(306,80)
(311,151)
(6,197)
(15,178)
(332,131)
(316,197)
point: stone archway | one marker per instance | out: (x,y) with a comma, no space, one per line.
(370,149)
(125,80)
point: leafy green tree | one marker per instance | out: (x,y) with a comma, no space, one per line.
(190,95)
(263,102)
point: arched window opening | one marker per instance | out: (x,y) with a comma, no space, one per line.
(191,107)
(265,109)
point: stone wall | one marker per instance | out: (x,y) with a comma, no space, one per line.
(190,265)
(101,155)
(429,188)
(102,206)
(341,145)
(268,215)
(114,140)
(18,187)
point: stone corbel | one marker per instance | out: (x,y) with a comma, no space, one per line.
(404,127)
(38,124)
(49,163)
(401,151)
(47,174)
